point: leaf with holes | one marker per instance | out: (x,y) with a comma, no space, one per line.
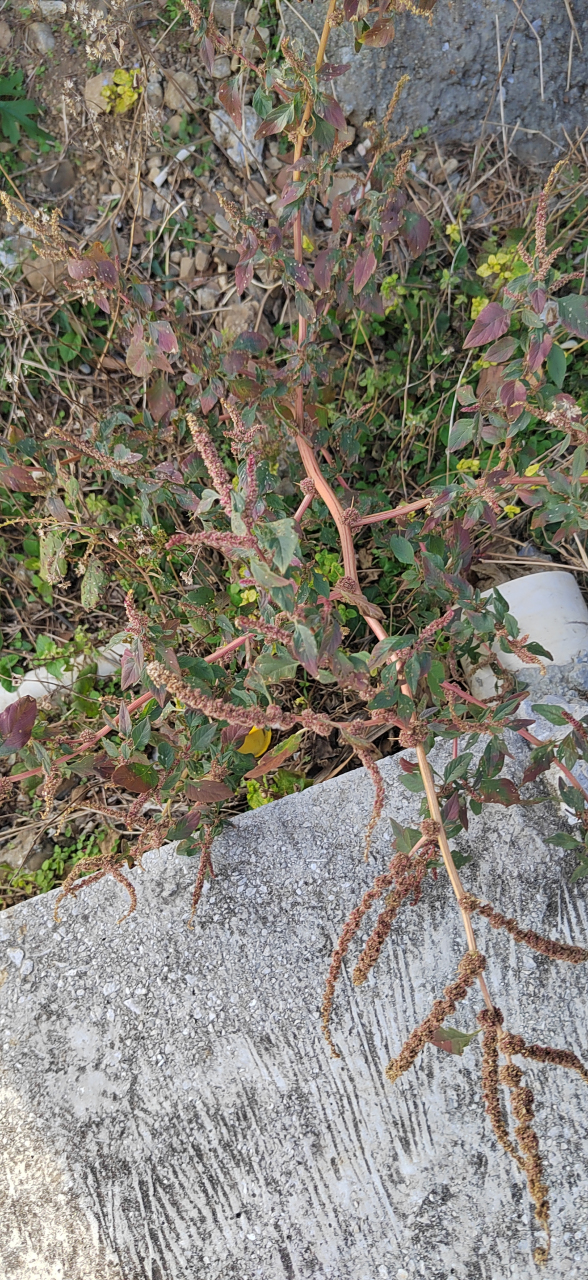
(491,324)
(16,724)
(573,314)
(324,266)
(230,99)
(93,583)
(378,36)
(20,479)
(499,791)
(53,564)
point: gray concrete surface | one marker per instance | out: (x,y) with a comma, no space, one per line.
(453,65)
(170,1110)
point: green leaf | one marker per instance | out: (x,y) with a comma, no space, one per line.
(203,737)
(435,676)
(549,712)
(413,782)
(304,645)
(405,838)
(573,313)
(141,733)
(556,365)
(262,103)
(93,583)
(458,768)
(279,667)
(402,549)
(565,841)
(452,1040)
(281,540)
(461,433)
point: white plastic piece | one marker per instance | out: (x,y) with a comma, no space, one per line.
(549,608)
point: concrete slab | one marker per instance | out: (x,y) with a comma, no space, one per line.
(170,1110)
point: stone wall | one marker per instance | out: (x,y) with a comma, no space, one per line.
(169,1107)
(453,65)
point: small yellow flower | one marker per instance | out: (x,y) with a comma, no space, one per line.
(468,465)
(452,230)
(510,511)
(478,305)
(249,596)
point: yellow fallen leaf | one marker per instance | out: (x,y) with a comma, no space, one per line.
(307,244)
(256,742)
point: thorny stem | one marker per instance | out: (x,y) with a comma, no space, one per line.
(331,501)
(133,706)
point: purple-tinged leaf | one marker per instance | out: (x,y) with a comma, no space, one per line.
(207,791)
(380,34)
(125,723)
(330,111)
(16,724)
(300,275)
(160,399)
(304,648)
(136,777)
(416,230)
(131,667)
(139,359)
(207,401)
(79,269)
(324,266)
(501,351)
(364,268)
(243,276)
(350,9)
(162,333)
(251,341)
(207,54)
(330,70)
(19,479)
(538,352)
(390,221)
(230,99)
(499,791)
(491,324)
(538,299)
(233,363)
(513,395)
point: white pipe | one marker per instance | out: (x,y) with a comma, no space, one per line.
(40,683)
